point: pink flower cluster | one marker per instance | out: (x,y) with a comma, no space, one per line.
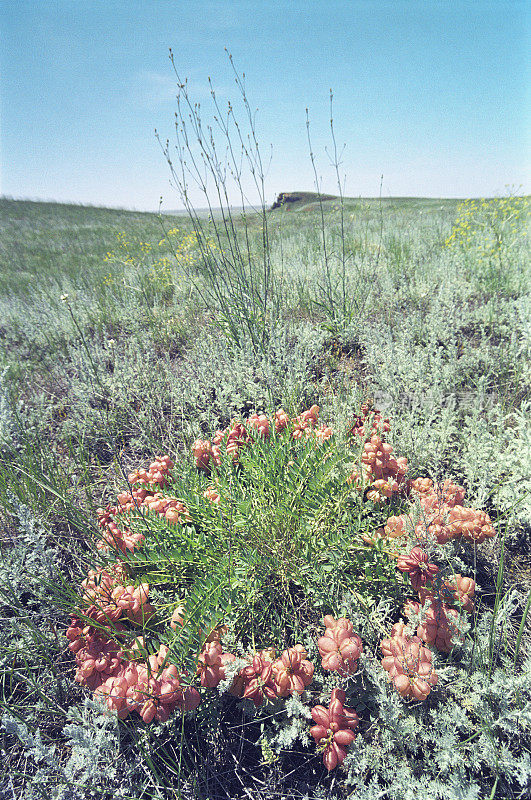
(334,729)
(339,648)
(263,678)
(382,472)
(443,518)
(150,688)
(131,681)
(142,497)
(408,663)
(117,671)
(107,598)
(238,434)
(369,422)
(417,565)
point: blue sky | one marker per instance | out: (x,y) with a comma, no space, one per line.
(431,94)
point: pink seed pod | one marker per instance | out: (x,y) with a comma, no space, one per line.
(202,450)
(292,671)
(334,729)
(445,493)
(417,566)
(381,490)
(339,648)
(397,526)
(138,476)
(379,463)
(256,682)
(458,590)
(191,699)
(421,487)
(342,622)
(177,618)
(76,634)
(409,665)
(115,538)
(175,511)
(303,424)
(213,495)
(97,660)
(323,433)
(446,522)
(114,690)
(281,420)
(360,425)
(439,627)
(261,423)
(210,665)
(236,438)
(310,416)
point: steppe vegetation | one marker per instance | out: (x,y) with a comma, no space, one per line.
(342,389)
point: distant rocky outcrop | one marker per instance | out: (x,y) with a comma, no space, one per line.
(289,198)
(285,197)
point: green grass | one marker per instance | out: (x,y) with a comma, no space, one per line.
(47,243)
(119,343)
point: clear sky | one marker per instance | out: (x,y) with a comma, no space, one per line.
(431,94)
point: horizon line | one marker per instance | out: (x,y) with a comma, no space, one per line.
(183,211)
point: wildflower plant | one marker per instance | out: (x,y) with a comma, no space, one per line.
(261,500)
(488,231)
(217,569)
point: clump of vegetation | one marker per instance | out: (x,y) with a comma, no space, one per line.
(244,548)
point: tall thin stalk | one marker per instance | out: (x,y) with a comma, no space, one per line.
(336,162)
(328,281)
(236,271)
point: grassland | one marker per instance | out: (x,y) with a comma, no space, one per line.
(126,334)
